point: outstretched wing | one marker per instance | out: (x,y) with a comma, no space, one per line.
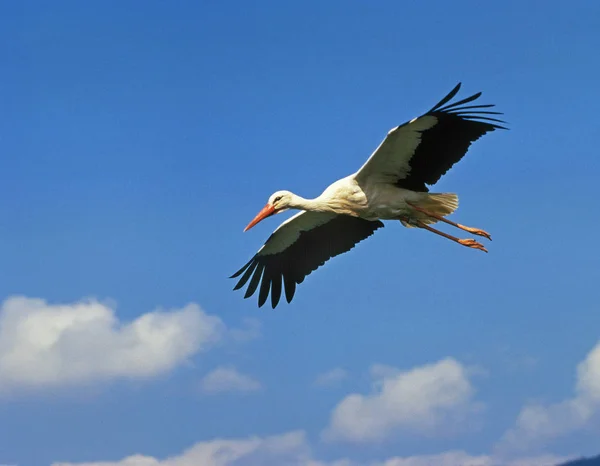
(418,153)
(298,246)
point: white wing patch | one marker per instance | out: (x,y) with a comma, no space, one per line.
(289,231)
(390,161)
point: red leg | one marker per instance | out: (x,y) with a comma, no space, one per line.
(471,243)
(475,231)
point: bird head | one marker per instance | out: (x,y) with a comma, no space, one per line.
(277,203)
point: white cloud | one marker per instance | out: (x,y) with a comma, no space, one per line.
(50,345)
(330,378)
(228,379)
(538,423)
(588,376)
(286,449)
(461,458)
(450,458)
(421,400)
(249,331)
(293,449)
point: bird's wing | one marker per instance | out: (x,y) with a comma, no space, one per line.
(418,153)
(297,247)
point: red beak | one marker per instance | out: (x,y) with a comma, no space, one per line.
(266,211)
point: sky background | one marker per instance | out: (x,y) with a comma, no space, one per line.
(137,139)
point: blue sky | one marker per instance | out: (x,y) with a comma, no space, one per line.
(137,141)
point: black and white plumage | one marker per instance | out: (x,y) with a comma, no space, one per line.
(391,185)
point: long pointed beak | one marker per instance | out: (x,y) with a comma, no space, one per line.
(266,211)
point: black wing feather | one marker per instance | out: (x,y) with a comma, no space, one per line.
(265,286)
(290,287)
(311,249)
(250,268)
(275,290)
(255,280)
(448,140)
(446,99)
(460,102)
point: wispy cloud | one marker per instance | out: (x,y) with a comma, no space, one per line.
(228,379)
(290,448)
(331,378)
(250,330)
(54,345)
(421,400)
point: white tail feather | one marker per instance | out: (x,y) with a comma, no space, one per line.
(440,204)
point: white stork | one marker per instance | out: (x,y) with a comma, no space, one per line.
(391,185)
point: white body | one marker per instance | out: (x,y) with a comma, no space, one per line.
(371,200)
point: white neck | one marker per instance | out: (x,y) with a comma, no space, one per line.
(315,205)
(323,203)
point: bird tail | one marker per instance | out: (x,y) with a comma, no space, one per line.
(440,204)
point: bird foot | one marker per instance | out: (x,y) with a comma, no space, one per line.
(476,231)
(471,243)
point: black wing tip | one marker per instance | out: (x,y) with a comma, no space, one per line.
(492,123)
(442,107)
(446,99)
(239,272)
(256,270)
(454,90)
(469,112)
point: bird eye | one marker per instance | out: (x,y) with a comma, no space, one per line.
(277,199)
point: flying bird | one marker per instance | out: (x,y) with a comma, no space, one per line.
(391,185)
